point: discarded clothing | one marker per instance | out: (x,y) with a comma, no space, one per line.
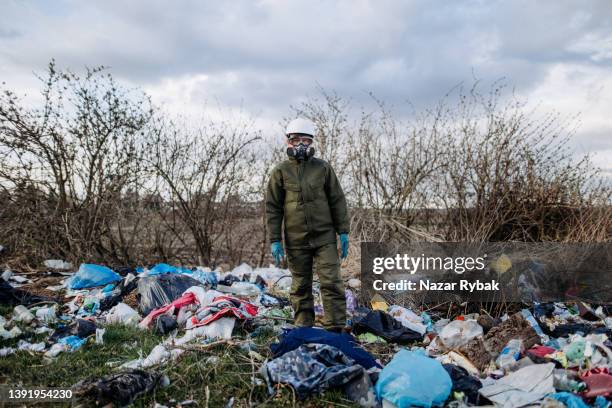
(121,389)
(413,379)
(564,330)
(384,325)
(91,275)
(159,290)
(292,339)
(599,383)
(12,296)
(312,369)
(464,382)
(522,387)
(224,306)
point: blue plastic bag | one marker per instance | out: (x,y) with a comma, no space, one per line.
(413,379)
(74,342)
(90,275)
(165,268)
(207,278)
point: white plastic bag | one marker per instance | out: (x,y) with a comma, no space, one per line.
(460,332)
(122,313)
(22,314)
(219,329)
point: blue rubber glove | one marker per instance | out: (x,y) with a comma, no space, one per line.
(344,240)
(277,251)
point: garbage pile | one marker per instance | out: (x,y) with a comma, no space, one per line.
(545,354)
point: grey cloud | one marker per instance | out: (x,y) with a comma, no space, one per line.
(275,52)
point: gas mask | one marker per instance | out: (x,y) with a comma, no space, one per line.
(301,151)
(300,147)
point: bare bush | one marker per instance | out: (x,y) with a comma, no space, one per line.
(79,150)
(204,177)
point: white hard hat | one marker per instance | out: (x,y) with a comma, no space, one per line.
(301,126)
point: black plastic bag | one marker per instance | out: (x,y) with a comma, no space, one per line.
(386,326)
(81,328)
(165,324)
(158,290)
(121,389)
(123,289)
(13,296)
(464,382)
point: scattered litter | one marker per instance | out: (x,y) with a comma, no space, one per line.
(312,369)
(120,389)
(91,275)
(384,325)
(522,387)
(413,379)
(57,264)
(459,332)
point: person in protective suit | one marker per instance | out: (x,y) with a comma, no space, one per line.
(305,194)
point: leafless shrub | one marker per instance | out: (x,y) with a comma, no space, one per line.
(79,152)
(204,177)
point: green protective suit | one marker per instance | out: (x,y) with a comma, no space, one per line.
(306,196)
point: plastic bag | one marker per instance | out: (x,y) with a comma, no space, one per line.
(459,332)
(90,275)
(156,291)
(162,268)
(384,325)
(122,313)
(22,314)
(413,379)
(47,314)
(408,319)
(219,329)
(120,389)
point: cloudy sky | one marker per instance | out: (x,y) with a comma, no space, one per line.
(261,56)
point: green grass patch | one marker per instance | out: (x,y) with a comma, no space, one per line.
(211,377)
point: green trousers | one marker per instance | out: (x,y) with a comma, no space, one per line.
(327,263)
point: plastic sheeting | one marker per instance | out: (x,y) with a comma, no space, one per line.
(156,291)
(413,379)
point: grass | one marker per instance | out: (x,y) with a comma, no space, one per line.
(211,377)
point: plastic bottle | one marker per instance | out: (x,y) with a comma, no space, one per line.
(510,354)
